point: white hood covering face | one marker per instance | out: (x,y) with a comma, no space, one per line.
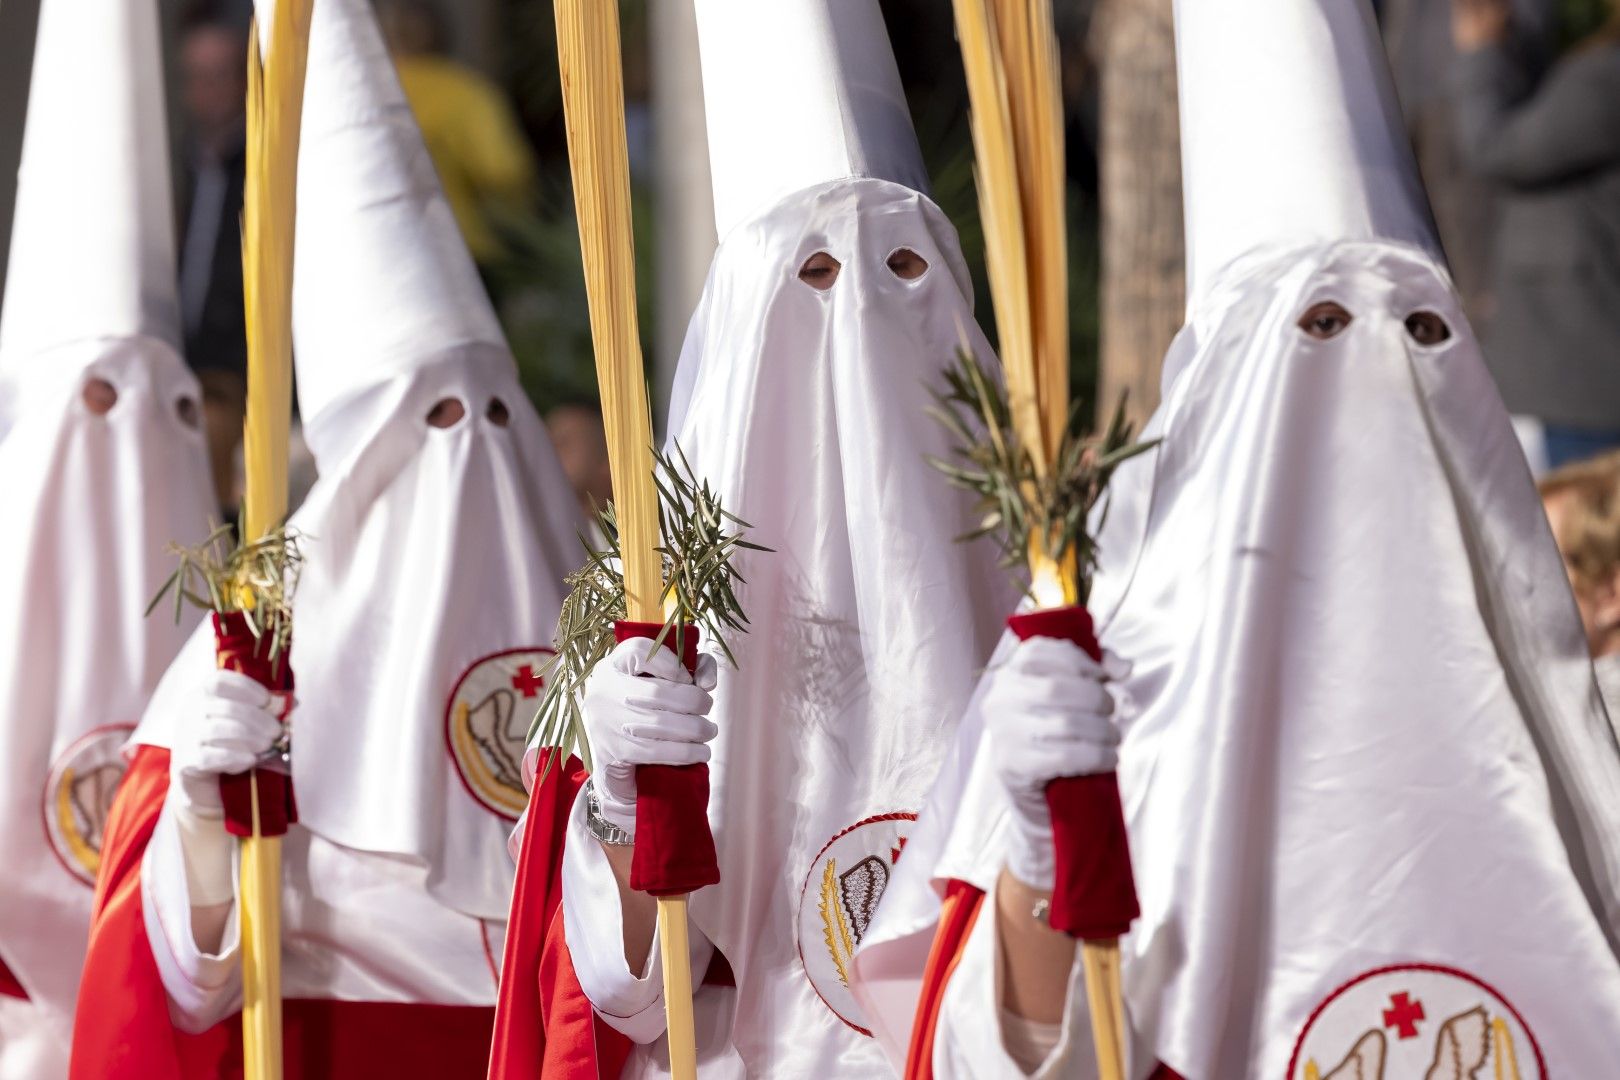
(1364,754)
(435,557)
(805,409)
(869,622)
(92,501)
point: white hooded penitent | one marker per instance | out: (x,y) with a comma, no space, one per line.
(805,408)
(434,554)
(93,495)
(1374,799)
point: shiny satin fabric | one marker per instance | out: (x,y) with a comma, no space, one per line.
(427,551)
(435,556)
(1361,728)
(93,503)
(806,410)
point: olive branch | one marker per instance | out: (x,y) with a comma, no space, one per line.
(1026,509)
(255,579)
(699,539)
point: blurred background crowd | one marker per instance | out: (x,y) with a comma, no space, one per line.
(1513,107)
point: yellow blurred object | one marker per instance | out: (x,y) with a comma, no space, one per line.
(274,111)
(474,140)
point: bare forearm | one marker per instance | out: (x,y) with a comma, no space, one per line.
(1036,960)
(638,910)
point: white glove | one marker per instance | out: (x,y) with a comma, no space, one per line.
(233,723)
(642,710)
(1049,714)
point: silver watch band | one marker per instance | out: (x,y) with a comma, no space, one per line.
(600,827)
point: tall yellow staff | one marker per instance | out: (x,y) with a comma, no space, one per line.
(274,108)
(1010,53)
(593,103)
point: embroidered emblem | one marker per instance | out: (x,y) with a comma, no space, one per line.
(78,796)
(487,726)
(1418,1021)
(838,902)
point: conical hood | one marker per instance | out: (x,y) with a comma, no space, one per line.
(1290,132)
(382,283)
(799,92)
(91,258)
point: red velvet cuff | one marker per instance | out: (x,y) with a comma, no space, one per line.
(238,650)
(674,852)
(1094,892)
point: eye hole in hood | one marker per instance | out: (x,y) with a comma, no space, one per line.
(906,264)
(1325,320)
(820,271)
(446,413)
(497,413)
(1427,328)
(99,396)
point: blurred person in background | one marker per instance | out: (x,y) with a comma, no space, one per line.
(1583,504)
(213,94)
(1552,145)
(471,131)
(581,440)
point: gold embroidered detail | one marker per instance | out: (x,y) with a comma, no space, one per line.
(839,944)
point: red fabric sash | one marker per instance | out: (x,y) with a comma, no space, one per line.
(958,913)
(674,853)
(238,650)
(122,1029)
(544,1024)
(1094,892)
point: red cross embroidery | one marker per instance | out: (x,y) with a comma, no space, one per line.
(527,682)
(1403,1015)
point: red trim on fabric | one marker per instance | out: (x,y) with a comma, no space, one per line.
(10,985)
(1441,969)
(958,912)
(544,1024)
(48,795)
(1094,891)
(674,851)
(238,650)
(449,719)
(897,815)
(124,1031)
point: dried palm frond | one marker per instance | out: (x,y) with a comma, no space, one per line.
(1030,512)
(255,579)
(698,541)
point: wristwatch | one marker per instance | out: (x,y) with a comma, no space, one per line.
(600,827)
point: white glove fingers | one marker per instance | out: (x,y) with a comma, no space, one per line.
(651,695)
(707,676)
(1056,695)
(664,752)
(1044,657)
(234,686)
(672,727)
(638,656)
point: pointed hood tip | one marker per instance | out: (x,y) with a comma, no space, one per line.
(92,250)
(383,283)
(799,93)
(1291,133)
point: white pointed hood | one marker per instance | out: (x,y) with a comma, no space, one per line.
(806,409)
(92,501)
(1290,132)
(799,92)
(384,283)
(434,556)
(1363,751)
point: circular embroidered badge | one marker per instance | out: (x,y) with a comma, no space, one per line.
(1416,1020)
(486,726)
(79,795)
(836,905)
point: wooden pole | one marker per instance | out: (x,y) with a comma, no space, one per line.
(593,106)
(275,106)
